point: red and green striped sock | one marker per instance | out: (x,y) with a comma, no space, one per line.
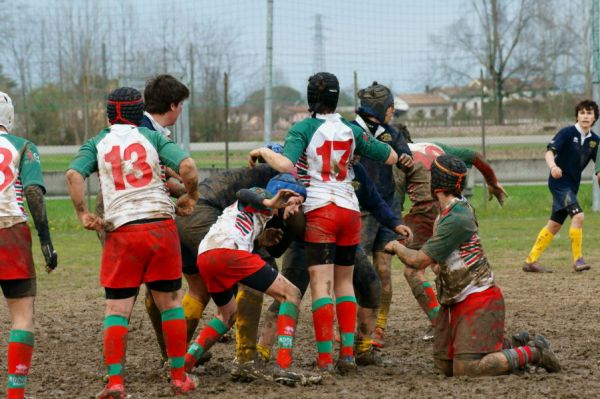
(432,307)
(206,339)
(322,311)
(286,327)
(175,333)
(521,356)
(20,348)
(345,307)
(115,344)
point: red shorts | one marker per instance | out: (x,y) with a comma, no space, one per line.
(332,224)
(474,326)
(141,253)
(222,268)
(16,260)
(421,219)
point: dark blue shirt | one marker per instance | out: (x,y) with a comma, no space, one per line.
(370,200)
(381,174)
(571,157)
(146,122)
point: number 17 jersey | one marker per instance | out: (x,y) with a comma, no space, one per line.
(128,161)
(322,149)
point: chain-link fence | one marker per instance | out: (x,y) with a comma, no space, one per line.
(518,66)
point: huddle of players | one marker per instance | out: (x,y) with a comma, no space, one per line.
(231,226)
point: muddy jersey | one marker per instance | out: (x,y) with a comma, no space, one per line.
(322,148)
(19,168)
(382,175)
(219,189)
(128,161)
(416,182)
(456,247)
(237,227)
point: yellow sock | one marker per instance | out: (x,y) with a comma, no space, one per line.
(576,236)
(249,306)
(363,344)
(544,239)
(192,307)
(264,352)
(384,309)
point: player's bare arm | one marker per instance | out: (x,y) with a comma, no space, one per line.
(35,200)
(411,258)
(393,157)
(495,189)
(276,161)
(75,186)
(555,171)
(189,175)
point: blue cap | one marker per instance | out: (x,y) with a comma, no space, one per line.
(287,181)
(278,148)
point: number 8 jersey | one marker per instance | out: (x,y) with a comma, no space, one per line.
(128,160)
(19,168)
(322,149)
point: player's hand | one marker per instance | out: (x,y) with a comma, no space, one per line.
(496,190)
(391,246)
(185,205)
(254,157)
(50,256)
(556,172)
(91,221)
(436,268)
(283,198)
(406,160)
(270,237)
(405,232)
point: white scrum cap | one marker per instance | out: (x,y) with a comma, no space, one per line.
(7,112)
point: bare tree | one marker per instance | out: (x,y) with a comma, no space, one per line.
(491,40)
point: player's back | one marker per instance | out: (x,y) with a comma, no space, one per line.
(130,173)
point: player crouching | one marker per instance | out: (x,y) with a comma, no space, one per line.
(225,259)
(469,330)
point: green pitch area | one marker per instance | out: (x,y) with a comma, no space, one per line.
(210,159)
(507,232)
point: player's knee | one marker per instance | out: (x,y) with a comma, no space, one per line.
(293,294)
(578,219)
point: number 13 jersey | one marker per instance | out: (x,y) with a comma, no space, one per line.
(128,161)
(322,148)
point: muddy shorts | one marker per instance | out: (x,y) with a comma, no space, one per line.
(222,268)
(474,326)
(192,229)
(420,219)
(564,203)
(16,260)
(141,253)
(333,224)
(374,235)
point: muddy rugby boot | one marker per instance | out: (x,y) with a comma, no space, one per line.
(521,338)
(250,371)
(346,365)
(535,267)
(371,357)
(116,391)
(292,377)
(378,339)
(182,387)
(428,336)
(548,359)
(580,265)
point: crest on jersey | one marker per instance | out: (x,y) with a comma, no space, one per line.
(593,144)
(385,137)
(355,185)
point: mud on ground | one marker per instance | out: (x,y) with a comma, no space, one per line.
(67,361)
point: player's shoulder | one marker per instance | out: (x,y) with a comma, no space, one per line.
(16,141)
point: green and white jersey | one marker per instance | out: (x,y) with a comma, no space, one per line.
(128,161)
(322,148)
(19,168)
(456,247)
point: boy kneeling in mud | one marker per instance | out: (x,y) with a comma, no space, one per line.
(469,330)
